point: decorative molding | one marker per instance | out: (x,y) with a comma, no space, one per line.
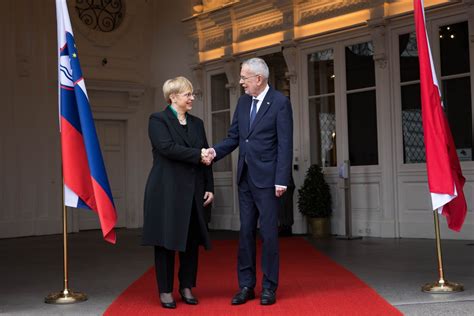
(230,25)
(290,55)
(317,12)
(261,29)
(214,42)
(288,19)
(232,72)
(104,39)
(198,75)
(228,36)
(135,91)
(100,16)
(378,39)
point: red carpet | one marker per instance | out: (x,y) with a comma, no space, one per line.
(310,284)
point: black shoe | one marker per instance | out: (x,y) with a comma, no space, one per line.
(188,300)
(243,296)
(171,305)
(268,297)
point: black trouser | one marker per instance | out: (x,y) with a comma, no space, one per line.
(188,261)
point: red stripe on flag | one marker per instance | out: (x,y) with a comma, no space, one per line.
(76,170)
(67,88)
(106,212)
(78,80)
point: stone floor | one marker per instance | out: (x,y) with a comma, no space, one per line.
(32,267)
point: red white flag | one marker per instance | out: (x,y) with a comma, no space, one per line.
(445,178)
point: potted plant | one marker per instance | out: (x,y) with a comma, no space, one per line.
(314,201)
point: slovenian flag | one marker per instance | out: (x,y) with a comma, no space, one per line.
(445,178)
(84,176)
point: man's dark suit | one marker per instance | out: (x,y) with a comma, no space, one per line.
(265,158)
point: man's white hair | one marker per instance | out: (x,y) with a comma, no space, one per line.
(257,66)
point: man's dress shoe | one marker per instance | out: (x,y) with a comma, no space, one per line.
(268,297)
(243,296)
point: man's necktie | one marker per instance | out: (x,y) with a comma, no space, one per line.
(253,111)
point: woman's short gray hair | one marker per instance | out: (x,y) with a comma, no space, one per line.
(175,86)
(257,66)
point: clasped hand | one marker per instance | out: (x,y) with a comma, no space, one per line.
(207,156)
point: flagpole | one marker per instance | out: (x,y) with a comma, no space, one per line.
(65,296)
(441,286)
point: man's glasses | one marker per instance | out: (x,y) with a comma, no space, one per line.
(243,78)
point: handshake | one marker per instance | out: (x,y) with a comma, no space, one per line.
(207,155)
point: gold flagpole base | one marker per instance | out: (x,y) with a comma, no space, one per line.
(442,287)
(65,297)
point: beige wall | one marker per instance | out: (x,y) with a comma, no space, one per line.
(152,45)
(149,47)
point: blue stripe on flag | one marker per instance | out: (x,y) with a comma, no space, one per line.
(94,155)
(82,204)
(74,59)
(69,108)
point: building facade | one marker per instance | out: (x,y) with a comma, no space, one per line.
(350,68)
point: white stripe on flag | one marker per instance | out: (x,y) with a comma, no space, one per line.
(70,198)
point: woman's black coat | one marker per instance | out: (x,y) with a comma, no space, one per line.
(176,181)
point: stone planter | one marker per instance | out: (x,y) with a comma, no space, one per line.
(319,227)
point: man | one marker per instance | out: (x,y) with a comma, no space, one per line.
(262,128)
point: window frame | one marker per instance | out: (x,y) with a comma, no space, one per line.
(340,99)
(209,116)
(433,22)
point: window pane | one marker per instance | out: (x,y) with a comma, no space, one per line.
(454,47)
(362,119)
(277,67)
(457,102)
(321,72)
(360,71)
(219,92)
(323,131)
(412,125)
(220,125)
(408,50)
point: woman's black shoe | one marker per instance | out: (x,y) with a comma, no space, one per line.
(187,300)
(169,305)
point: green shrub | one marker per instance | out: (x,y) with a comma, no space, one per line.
(314,196)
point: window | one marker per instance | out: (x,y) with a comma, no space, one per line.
(361,104)
(455,90)
(456,85)
(322,114)
(220,113)
(413,143)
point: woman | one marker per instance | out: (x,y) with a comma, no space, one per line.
(178,189)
